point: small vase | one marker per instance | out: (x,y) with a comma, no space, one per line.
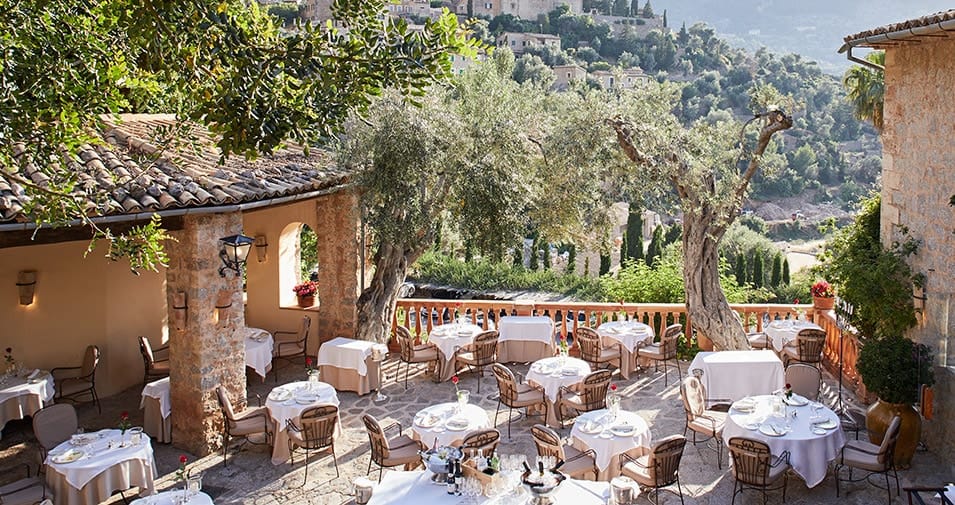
(306,301)
(463,396)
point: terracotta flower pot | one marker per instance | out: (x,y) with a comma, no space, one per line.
(306,301)
(823,303)
(877,420)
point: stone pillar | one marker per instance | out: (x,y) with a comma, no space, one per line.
(203,353)
(339,260)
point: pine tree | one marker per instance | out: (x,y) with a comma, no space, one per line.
(655,249)
(635,233)
(604,264)
(571,258)
(624,246)
(635,8)
(777,275)
(758,270)
(741,270)
(647,10)
(786,271)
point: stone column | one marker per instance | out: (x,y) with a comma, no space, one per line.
(337,233)
(204,353)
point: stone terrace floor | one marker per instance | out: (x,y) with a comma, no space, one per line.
(251,478)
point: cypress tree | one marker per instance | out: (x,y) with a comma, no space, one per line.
(777,276)
(535,256)
(621,7)
(664,18)
(673,234)
(604,264)
(786,271)
(545,259)
(635,233)
(758,270)
(741,270)
(571,258)
(587,266)
(623,248)
(635,8)
(519,256)
(647,10)
(655,249)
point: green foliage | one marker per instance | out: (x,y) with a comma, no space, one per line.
(673,234)
(776,278)
(894,368)
(286,11)
(758,278)
(534,263)
(866,89)
(604,264)
(624,246)
(571,259)
(786,279)
(655,247)
(740,271)
(308,243)
(798,289)
(635,233)
(545,257)
(647,10)
(531,69)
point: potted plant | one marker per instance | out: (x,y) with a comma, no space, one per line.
(895,368)
(306,292)
(823,296)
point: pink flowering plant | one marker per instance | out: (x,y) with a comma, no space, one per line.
(307,288)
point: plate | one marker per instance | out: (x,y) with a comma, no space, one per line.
(280,395)
(606,434)
(744,405)
(767,429)
(427,421)
(818,431)
(457,424)
(591,428)
(464,333)
(624,430)
(68,456)
(306,399)
(751,426)
(796,400)
(828,424)
(82,439)
(568,372)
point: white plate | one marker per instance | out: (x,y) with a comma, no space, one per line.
(568,372)
(751,426)
(306,400)
(427,421)
(744,405)
(624,431)
(606,434)
(82,439)
(828,424)
(796,400)
(68,456)
(819,431)
(280,395)
(767,429)
(456,426)
(591,428)
(464,333)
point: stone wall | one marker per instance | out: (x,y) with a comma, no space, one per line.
(204,353)
(337,231)
(918,178)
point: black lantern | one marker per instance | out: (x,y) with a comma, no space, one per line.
(233,252)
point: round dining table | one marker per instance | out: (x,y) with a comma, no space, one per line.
(287,402)
(448,338)
(784,331)
(554,373)
(23,395)
(631,335)
(610,436)
(173,497)
(446,424)
(810,431)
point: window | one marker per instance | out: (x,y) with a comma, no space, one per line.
(488,5)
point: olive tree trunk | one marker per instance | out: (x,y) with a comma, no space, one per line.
(376,305)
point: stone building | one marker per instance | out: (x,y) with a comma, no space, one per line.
(524,9)
(918,182)
(568,74)
(79,301)
(518,42)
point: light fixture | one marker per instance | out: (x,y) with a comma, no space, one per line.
(261,248)
(233,251)
(26,286)
(223,302)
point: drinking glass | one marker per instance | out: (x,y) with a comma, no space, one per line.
(193,484)
(136,435)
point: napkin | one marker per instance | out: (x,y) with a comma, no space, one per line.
(33,374)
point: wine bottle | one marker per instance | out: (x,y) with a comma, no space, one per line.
(458,477)
(452,486)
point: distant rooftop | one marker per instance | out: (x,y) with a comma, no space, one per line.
(891,34)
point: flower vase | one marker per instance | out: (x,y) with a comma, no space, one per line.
(562,356)
(463,396)
(306,301)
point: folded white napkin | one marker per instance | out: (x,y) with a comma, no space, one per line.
(34,373)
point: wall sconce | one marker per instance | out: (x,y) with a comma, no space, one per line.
(261,248)
(26,285)
(179,310)
(223,302)
(233,251)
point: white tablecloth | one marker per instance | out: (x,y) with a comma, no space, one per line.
(159,390)
(20,397)
(731,375)
(449,337)
(170,497)
(631,334)
(99,456)
(548,374)
(290,409)
(416,488)
(809,453)
(783,331)
(348,353)
(258,349)
(528,328)
(476,416)
(608,445)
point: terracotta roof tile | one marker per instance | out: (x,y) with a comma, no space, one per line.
(931,19)
(135,175)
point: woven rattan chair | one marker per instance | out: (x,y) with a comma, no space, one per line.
(480,354)
(385,452)
(483,440)
(804,379)
(807,348)
(754,467)
(577,463)
(410,353)
(515,395)
(593,352)
(315,431)
(590,394)
(658,469)
(664,351)
(871,458)
(26,491)
(52,426)
(252,421)
(290,345)
(699,420)
(759,341)
(155,368)
(76,382)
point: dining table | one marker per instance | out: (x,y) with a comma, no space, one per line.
(349,365)
(611,435)
(156,409)
(554,373)
(631,335)
(258,349)
(89,467)
(446,424)
(732,375)
(23,394)
(287,402)
(173,497)
(811,432)
(523,339)
(784,331)
(448,338)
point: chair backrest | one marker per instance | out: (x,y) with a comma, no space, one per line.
(225,404)
(810,343)
(593,390)
(318,425)
(376,438)
(887,448)
(54,425)
(547,442)
(147,351)
(804,379)
(694,397)
(589,342)
(90,362)
(752,460)
(506,383)
(669,340)
(405,343)
(485,347)
(664,462)
(303,331)
(483,440)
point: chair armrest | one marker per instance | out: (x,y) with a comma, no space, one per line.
(626,458)
(406,444)
(392,425)
(258,399)
(560,392)
(588,452)
(860,449)
(291,426)
(54,371)
(782,458)
(277,332)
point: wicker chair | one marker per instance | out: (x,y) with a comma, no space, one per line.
(480,354)
(154,368)
(411,353)
(759,341)
(289,348)
(593,352)
(804,379)
(315,431)
(385,452)
(658,469)
(515,395)
(871,458)
(78,381)
(591,395)
(52,426)
(807,348)
(754,467)
(483,440)
(577,463)
(244,424)
(664,351)
(26,491)
(699,420)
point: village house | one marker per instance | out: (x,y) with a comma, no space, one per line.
(518,42)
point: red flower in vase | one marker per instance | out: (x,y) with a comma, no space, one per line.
(613,387)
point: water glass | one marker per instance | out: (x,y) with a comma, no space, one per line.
(193,484)
(136,435)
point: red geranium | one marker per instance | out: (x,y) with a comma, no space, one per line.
(183,459)
(822,289)
(455,380)
(613,387)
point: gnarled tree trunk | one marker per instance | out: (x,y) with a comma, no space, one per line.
(376,305)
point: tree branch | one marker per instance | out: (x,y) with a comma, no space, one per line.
(776,121)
